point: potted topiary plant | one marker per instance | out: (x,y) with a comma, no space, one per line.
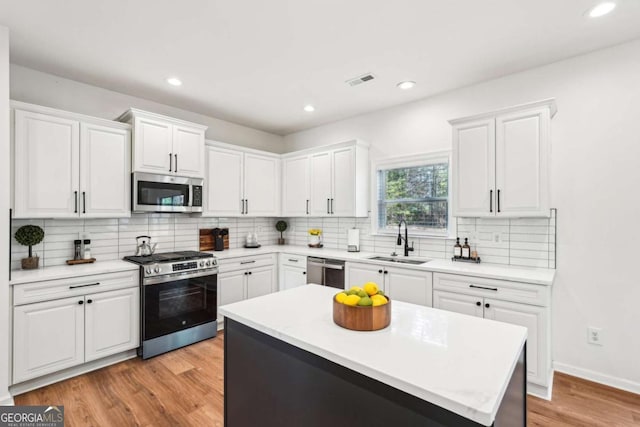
(281,226)
(29,235)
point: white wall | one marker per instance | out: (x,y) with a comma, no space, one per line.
(595,179)
(36,87)
(5,398)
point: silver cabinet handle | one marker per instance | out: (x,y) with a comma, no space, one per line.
(293,260)
(246,204)
(328,207)
(332,206)
(247,262)
(242,206)
(84,202)
(307,206)
(498,201)
(170,163)
(483,287)
(176,165)
(84,286)
(490,200)
(75,196)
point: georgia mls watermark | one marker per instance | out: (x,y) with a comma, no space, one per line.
(32,416)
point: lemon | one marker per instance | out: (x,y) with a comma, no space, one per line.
(356,288)
(362,294)
(371,288)
(351,292)
(340,297)
(351,300)
(365,301)
(378,300)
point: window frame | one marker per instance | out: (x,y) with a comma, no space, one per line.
(406,162)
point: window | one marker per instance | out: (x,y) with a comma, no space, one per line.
(416,190)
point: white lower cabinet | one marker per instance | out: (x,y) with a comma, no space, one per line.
(292,271)
(244,278)
(489,299)
(52,335)
(400,284)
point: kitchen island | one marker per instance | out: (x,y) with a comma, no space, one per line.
(288,364)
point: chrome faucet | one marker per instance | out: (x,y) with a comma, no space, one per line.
(407,249)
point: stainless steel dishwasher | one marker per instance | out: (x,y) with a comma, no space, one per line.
(326,272)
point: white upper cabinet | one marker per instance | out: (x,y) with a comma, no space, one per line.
(46,166)
(330,181)
(105,182)
(241,182)
(165,145)
(295,186)
(501,162)
(68,165)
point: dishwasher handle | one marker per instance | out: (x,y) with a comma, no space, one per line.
(324,265)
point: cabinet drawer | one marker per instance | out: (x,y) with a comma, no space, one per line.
(73,286)
(499,289)
(244,263)
(293,260)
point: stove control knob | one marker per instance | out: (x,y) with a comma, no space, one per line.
(201,263)
(156,270)
(208,263)
(148,271)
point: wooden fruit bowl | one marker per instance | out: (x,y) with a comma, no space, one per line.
(359,318)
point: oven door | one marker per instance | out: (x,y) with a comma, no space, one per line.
(161,193)
(180,303)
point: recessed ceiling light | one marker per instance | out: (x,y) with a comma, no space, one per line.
(309,108)
(601,9)
(174,81)
(406,85)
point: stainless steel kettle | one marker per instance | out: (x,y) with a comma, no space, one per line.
(145,248)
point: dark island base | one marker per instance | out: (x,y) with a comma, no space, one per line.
(268,382)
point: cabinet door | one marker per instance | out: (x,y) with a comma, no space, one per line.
(261,185)
(320,183)
(459,303)
(105,172)
(474,168)
(111,322)
(188,151)
(261,281)
(230,288)
(47,337)
(46,166)
(224,182)
(295,186)
(358,274)
(534,319)
(343,200)
(292,277)
(522,163)
(153,146)
(411,286)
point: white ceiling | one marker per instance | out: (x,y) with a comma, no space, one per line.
(259,62)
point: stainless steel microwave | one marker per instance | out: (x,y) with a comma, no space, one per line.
(165,193)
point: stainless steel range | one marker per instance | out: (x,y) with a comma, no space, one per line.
(178,300)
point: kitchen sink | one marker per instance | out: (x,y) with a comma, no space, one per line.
(399,260)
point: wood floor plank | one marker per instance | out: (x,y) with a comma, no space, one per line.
(186,388)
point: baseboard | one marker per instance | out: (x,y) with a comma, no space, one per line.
(6,400)
(541,391)
(598,377)
(65,374)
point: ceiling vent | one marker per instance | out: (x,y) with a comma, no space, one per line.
(361,79)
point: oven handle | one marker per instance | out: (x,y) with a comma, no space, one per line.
(179,276)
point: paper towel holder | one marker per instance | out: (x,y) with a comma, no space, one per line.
(353,240)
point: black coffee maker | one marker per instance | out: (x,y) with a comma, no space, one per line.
(218,238)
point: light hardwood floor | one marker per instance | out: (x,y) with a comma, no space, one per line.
(185,388)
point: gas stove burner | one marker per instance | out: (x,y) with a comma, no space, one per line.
(168,257)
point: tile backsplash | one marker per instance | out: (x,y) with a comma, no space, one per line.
(115,238)
(526,242)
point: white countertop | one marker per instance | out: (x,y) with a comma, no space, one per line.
(64,271)
(460,363)
(541,276)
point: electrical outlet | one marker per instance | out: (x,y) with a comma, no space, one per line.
(497,237)
(594,336)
